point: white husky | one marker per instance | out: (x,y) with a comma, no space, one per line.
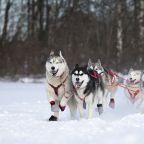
(133,90)
(59,85)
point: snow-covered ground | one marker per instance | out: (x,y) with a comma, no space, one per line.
(24,113)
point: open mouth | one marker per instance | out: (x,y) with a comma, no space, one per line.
(54,72)
(78,84)
(132,81)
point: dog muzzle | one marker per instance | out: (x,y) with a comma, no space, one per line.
(78,84)
(54,72)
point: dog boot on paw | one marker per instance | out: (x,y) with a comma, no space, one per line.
(112,103)
(100,108)
(53,118)
(52,103)
(62,108)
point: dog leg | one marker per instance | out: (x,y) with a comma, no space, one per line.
(81,110)
(73,107)
(112,103)
(55,109)
(63,103)
(51,98)
(112,100)
(90,110)
(100,102)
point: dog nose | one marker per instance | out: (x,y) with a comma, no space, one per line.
(53,68)
(77,79)
(130,78)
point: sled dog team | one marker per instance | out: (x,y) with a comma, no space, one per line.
(86,87)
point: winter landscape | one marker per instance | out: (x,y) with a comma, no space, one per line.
(24,113)
(33,32)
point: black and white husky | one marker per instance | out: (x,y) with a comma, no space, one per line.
(86,91)
(59,90)
(109,80)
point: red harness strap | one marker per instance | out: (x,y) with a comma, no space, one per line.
(82,99)
(95,75)
(133,94)
(110,72)
(56,88)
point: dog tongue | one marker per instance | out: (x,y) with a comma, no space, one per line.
(77,85)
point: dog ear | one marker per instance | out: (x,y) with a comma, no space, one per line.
(60,54)
(99,62)
(130,70)
(52,53)
(89,62)
(77,65)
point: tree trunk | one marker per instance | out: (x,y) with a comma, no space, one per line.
(141,29)
(119,31)
(6,20)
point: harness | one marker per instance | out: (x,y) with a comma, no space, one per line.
(95,75)
(55,88)
(132,93)
(82,99)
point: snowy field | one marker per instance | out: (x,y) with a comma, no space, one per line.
(24,113)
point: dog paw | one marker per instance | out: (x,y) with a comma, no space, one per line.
(53,118)
(62,108)
(52,102)
(112,103)
(100,109)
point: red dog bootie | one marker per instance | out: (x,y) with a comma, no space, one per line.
(62,108)
(52,103)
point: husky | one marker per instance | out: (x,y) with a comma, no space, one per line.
(109,80)
(133,90)
(59,90)
(85,89)
(100,85)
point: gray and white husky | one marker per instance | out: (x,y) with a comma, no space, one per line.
(133,90)
(109,80)
(86,91)
(59,90)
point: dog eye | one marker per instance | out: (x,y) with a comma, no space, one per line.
(81,74)
(91,67)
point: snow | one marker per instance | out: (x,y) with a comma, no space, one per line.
(24,113)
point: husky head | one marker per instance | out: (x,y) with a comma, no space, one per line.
(95,66)
(56,65)
(134,76)
(80,77)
